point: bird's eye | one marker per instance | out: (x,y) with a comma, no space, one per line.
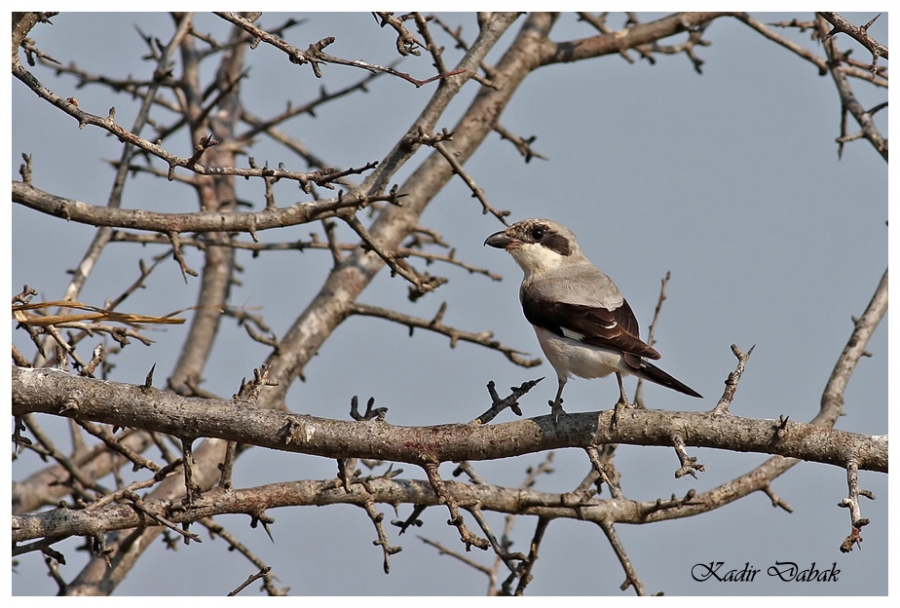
(537,233)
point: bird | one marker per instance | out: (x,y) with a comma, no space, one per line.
(583,323)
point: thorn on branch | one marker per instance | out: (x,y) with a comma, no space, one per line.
(148,381)
(377,413)
(260,517)
(780,428)
(412,520)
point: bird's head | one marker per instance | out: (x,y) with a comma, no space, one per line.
(538,245)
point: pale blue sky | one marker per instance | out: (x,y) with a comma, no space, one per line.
(729,180)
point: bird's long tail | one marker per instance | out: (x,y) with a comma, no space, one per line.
(650,372)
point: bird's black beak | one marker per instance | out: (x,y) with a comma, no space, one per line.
(500,240)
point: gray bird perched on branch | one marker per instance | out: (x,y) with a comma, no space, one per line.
(584,325)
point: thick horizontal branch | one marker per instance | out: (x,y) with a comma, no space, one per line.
(56,392)
(254,501)
(63,522)
(201,221)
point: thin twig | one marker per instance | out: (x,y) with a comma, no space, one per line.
(525,576)
(467,536)
(631,578)
(436,325)
(476,191)
(688,463)
(639,391)
(734,377)
(315,56)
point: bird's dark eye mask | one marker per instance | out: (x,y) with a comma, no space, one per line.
(557,243)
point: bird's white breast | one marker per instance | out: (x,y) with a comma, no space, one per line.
(572,358)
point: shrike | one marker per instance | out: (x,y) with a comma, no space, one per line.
(584,325)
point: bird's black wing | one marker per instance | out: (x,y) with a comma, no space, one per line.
(616,328)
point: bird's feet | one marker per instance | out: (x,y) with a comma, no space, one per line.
(556,410)
(621,405)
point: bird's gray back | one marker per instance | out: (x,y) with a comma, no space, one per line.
(581,284)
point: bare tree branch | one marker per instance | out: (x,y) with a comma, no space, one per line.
(55,392)
(181,444)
